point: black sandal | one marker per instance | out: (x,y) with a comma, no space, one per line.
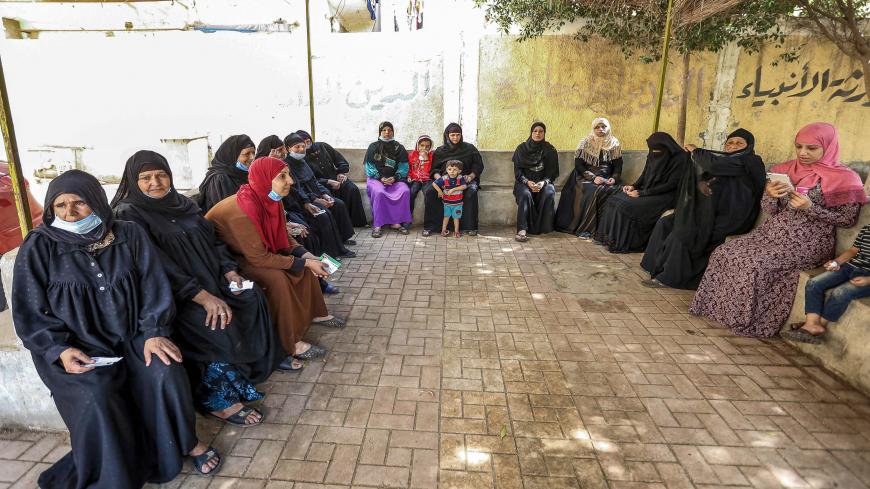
(521,238)
(427,233)
(311,353)
(238,419)
(803,336)
(377,233)
(403,231)
(332,323)
(205,457)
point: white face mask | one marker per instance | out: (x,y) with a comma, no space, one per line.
(83,226)
(297,156)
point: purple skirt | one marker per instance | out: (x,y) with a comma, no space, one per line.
(390,205)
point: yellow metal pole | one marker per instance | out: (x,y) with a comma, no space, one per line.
(310,78)
(21,203)
(666,44)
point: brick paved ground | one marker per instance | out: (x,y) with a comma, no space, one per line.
(487,363)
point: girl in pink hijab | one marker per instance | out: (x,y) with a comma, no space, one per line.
(751,280)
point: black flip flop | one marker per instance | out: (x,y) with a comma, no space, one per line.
(200,460)
(238,419)
(332,323)
(802,336)
(311,353)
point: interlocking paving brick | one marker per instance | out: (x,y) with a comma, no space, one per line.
(544,376)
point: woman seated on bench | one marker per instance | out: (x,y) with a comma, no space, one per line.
(750,282)
(847,277)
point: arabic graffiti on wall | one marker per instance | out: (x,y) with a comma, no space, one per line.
(847,89)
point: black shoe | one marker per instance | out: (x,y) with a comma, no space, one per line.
(286,365)
(348,254)
(350,242)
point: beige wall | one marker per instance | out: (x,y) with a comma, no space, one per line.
(566,83)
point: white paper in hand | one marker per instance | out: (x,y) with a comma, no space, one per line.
(102,362)
(246,285)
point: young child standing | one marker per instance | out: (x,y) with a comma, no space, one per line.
(450,188)
(420,161)
(847,277)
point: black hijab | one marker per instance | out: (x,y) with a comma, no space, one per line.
(292,139)
(173,204)
(746,135)
(386,149)
(450,151)
(89,189)
(530,154)
(267,145)
(228,154)
(660,165)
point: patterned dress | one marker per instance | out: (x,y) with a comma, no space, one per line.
(750,282)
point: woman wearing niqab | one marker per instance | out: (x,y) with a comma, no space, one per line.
(629,217)
(86,285)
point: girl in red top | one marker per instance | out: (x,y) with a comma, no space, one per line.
(419,162)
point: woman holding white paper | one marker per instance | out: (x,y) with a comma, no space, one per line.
(226,337)
(253,225)
(85,286)
(751,280)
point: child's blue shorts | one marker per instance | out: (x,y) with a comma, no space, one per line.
(453,210)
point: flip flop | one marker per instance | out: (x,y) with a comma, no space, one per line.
(311,353)
(802,336)
(207,456)
(238,419)
(332,323)
(521,238)
(403,231)
(653,284)
(377,233)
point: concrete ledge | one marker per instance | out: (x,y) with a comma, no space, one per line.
(24,400)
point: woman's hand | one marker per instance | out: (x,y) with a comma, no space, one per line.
(776,189)
(832,266)
(860,281)
(798,201)
(333,184)
(633,194)
(437,176)
(302,229)
(628,188)
(690,147)
(388,181)
(598,180)
(217,312)
(316,267)
(74,361)
(312,209)
(610,181)
(341,178)
(324,202)
(234,277)
(163,348)
(532,186)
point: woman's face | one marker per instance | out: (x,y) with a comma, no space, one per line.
(454,137)
(424,146)
(808,153)
(298,148)
(387,132)
(538,134)
(600,129)
(154,183)
(735,143)
(283,181)
(280,152)
(70,208)
(246,157)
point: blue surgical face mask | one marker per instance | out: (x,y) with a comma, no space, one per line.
(297,156)
(241,166)
(386,140)
(83,226)
(158,198)
(274,196)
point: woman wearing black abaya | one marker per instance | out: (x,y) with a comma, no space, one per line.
(596,177)
(88,286)
(629,217)
(536,167)
(720,195)
(454,148)
(316,197)
(226,337)
(331,169)
(228,171)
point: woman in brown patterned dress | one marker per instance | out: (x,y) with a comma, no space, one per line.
(750,282)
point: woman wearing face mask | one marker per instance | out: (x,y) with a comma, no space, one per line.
(719,196)
(454,148)
(253,226)
(387,169)
(596,177)
(226,337)
(750,282)
(87,286)
(228,171)
(536,167)
(331,169)
(628,218)
(316,198)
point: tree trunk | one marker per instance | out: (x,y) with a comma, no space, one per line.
(865,66)
(684,102)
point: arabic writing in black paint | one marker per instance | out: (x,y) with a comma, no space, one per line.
(806,85)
